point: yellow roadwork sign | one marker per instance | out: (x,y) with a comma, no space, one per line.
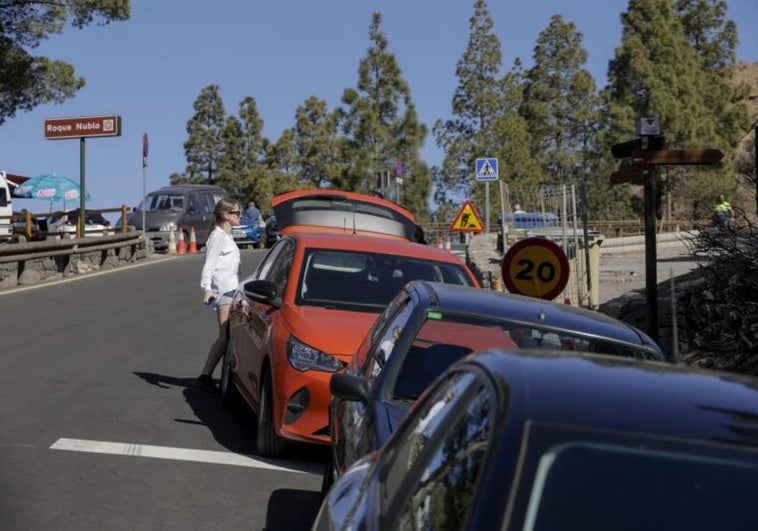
(467,220)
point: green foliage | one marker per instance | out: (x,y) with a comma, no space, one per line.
(316,143)
(203,147)
(26,80)
(477,104)
(560,106)
(673,63)
(380,124)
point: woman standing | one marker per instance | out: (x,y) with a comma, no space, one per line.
(219,279)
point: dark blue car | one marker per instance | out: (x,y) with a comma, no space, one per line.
(427,327)
(542,441)
(247,233)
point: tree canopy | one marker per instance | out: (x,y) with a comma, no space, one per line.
(27,80)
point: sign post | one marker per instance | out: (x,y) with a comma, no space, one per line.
(82,127)
(144,182)
(486,171)
(644,155)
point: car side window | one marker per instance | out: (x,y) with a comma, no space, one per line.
(447,472)
(278,265)
(384,344)
(430,417)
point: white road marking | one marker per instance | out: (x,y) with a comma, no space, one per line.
(181,454)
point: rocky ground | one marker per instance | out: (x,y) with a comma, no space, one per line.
(716,304)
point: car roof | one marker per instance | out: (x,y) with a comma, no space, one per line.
(341,211)
(361,242)
(189,187)
(623,394)
(530,309)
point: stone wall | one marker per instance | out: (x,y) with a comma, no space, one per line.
(22,264)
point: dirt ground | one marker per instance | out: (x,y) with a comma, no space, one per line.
(623,271)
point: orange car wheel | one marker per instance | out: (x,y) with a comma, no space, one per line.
(269,443)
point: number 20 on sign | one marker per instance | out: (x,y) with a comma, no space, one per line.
(536,267)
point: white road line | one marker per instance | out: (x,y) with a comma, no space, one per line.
(180,454)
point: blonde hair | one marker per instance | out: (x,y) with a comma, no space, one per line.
(224,206)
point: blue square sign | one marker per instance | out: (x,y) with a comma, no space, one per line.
(486,169)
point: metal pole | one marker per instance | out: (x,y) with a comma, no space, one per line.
(651,259)
(144,196)
(487,205)
(82,190)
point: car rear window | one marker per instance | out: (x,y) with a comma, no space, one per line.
(366,281)
(582,485)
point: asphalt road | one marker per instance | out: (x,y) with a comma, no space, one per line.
(101,427)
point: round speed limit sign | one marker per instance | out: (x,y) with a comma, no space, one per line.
(536,267)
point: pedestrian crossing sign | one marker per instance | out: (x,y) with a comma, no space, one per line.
(467,220)
(486,169)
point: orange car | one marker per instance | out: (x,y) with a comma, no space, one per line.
(302,314)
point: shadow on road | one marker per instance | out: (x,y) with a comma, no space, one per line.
(234,427)
(290,509)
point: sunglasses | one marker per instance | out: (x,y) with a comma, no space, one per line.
(237,212)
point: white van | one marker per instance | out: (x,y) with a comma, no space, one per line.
(6,207)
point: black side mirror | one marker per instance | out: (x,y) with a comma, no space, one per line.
(261,291)
(349,387)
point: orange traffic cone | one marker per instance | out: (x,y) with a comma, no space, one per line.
(193,241)
(181,247)
(171,242)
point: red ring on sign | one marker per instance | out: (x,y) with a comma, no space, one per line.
(553,248)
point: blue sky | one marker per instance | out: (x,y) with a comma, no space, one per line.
(150,69)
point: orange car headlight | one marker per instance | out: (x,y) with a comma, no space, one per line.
(303,357)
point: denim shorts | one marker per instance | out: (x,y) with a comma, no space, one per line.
(225,299)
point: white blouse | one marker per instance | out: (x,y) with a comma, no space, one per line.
(221,271)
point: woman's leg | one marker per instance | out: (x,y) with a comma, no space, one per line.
(219,346)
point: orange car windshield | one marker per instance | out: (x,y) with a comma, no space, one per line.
(365,281)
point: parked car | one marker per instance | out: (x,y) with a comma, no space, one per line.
(301,315)
(272,231)
(509,440)
(178,208)
(426,328)
(64,224)
(247,233)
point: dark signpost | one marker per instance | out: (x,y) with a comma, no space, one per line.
(644,154)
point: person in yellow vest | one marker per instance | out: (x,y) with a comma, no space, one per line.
(722,213)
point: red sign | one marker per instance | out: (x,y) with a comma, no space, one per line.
(83,126)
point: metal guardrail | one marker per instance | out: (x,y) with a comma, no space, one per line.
(30,220)
(610,229)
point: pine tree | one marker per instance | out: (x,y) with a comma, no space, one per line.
(231,166)
(26,80)
(279,172)
(204,145)
(253,152)
(560,104)
(485,121)
(669,65)
(379,123)
(316,143)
